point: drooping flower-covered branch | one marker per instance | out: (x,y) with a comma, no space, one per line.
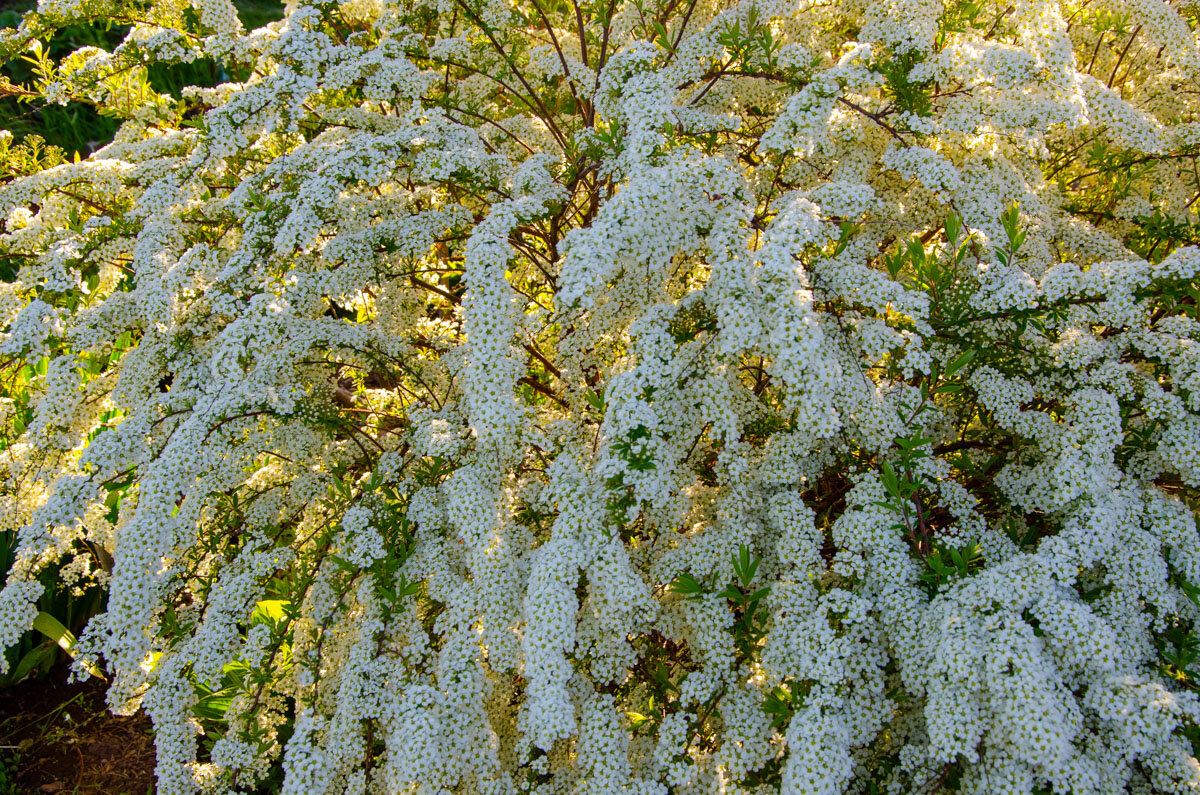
(616,396)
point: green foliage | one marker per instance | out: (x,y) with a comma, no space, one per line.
(76,127)
(742,597)
(907,95)
(1011,219)
(1156,235)
(960,16)
(691,321)
(81,126)
(10,767)
(946,564)
(1178,647)
(782,702)
(754,47)
(638,454)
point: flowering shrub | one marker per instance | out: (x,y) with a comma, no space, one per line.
(604,396)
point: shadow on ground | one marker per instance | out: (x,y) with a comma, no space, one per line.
(59,737)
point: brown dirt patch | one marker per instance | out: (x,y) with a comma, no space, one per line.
(58,737)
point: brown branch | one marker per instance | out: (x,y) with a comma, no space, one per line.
(583,53)
(546,116)
(497,125)
(561,57)
(435,289)
(1121,57)
(550,368)
(542,389)
(875,117)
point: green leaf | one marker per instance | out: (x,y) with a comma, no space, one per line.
(270,611)
(40,658)
(52,628)
(662,675)
(744,565)
(961,361)
(660,35)
(636,719)
(847,231)
(732,594)
(686,585)
(916,253)
(890,481)
(953,227)
(214,705)
(1011,218)
(894,263)
(908,443)
(1092,594)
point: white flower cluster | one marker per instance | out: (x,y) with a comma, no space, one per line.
(554,398)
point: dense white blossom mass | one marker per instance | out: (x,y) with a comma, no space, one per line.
(620,396)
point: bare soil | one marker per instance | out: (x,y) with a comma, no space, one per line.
(59,737)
